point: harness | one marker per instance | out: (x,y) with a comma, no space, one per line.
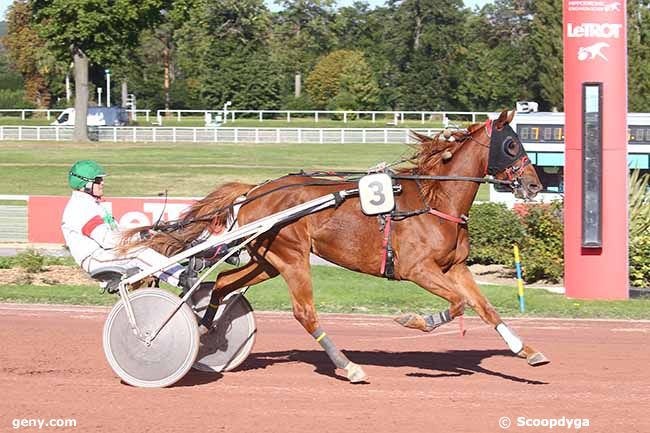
(499,160)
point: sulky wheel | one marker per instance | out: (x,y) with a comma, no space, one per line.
(226,346)
(168,357)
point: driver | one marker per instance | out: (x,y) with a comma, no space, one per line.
(92,234)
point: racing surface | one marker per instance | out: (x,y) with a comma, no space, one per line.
(52,366)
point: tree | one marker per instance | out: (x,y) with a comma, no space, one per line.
(425,40)
(302,33)
(345,75)
(224,51)
(547,48)
(28,55)
(94,31)
(638,40)
(496,64)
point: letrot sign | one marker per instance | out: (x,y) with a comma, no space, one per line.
(595,99)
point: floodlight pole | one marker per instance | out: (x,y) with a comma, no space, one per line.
(108,87)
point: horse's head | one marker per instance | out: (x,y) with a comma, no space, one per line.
(507,158)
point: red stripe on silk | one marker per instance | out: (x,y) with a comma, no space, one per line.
(91,225)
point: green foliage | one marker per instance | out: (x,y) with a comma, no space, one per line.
(6,263)
(240,67)
(543,246)
(101,29)
(639,203)
(303,102)
(345,75)
(638,48)
(547,47)
(31,261)
(14,99)
(640,260)
(493,230)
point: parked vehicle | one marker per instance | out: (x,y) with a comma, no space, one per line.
(97,116)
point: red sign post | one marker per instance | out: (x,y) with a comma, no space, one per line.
(595,102)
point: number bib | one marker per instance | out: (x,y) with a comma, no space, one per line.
(376,194)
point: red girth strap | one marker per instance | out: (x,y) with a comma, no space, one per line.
(447,216)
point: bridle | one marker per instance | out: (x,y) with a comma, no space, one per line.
(511,165)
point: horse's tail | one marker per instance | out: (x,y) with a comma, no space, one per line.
(210,213)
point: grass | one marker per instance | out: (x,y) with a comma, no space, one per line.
(184,169)
(341,291)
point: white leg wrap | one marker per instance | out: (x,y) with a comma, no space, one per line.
(514,342)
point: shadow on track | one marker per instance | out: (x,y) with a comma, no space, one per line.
(453,363)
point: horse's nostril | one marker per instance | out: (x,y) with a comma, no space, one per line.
(534,187)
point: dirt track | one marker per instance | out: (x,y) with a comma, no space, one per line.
(52,366)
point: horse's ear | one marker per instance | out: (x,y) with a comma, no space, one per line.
(504,118)
(511,116)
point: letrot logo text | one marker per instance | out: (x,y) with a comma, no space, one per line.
(594,30)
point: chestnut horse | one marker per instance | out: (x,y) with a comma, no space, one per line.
(430,240)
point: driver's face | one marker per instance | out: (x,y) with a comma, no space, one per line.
(98,189)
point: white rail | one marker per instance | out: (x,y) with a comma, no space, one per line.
(394,117)
(216,135)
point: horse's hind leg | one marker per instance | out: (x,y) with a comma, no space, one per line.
(252,273)
(297,275)
(483,308)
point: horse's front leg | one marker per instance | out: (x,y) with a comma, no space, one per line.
(428,275)
(479,303)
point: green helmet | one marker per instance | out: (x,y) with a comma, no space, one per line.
(83,172)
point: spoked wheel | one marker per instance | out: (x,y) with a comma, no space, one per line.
(164,360)
(226,346)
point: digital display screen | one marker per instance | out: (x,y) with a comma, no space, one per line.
(592,165)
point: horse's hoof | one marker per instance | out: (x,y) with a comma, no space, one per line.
(413,321)
(356,373)
(537,359)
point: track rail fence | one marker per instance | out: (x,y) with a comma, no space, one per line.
(217,135)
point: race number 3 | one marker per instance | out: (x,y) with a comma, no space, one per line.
(376,193)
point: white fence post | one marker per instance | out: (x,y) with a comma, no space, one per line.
(20,133)
(277,134)
(174,135)
(56,133)
(194,135)
(115,134)
(288,116)
(135,135)
(38,133)
(178,116)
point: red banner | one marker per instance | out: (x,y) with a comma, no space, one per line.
(595,55)
(45,212)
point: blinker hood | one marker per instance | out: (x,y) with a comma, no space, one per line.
(500,156)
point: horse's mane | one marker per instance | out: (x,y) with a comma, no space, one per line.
(428,156)
(210,213)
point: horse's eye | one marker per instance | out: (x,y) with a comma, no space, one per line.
(510,146)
